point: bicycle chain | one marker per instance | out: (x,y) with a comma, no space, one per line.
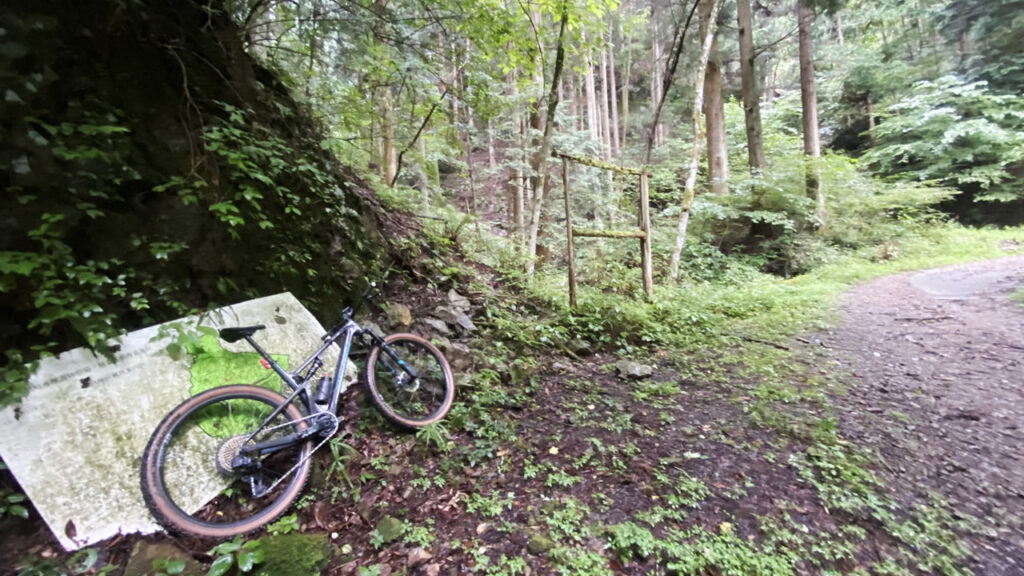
(327,437)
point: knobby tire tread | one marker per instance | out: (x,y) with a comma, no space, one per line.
(383,407)
(157,501)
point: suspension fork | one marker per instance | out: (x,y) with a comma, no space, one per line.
(401,363)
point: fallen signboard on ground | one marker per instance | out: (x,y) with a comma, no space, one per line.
(74,442)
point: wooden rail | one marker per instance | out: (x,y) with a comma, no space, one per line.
(644,220)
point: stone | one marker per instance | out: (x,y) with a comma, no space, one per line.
(460,357)
(373,327)
(438,326)
(633,370)
(455,317)
(580,347)
(464,323)
(458,301)
(117,405)
(538,544)
(399,315)
(293,554)
(442,343)
(144,553)
(390,529)
(417,556)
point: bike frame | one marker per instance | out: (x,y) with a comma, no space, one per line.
(300,380)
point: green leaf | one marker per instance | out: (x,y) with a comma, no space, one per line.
(227,547)
(221,565)
(176,566)
(21,263)
(82,561)
(174,350)
(249,558)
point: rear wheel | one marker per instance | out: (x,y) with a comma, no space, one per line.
(410,381)
(193,479)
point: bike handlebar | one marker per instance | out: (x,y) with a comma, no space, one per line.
(348,311)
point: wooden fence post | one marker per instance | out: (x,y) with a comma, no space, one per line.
(643,222)
(645,243)
(571,248)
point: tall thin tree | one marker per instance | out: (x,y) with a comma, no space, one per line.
(748,88)
(709,14)
(539,162)
(714,119)
(808,99)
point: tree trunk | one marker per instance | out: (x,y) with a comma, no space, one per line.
(389,160)
(769,91)
(539,164)
(574,109)
(812,145)
(714,117)
(313,38)
(871,119)
(659,135)
(612,92)
(708,14)
(625,90)
(593,114)
(749,88)
(422,173)
(492,160)
(606,133)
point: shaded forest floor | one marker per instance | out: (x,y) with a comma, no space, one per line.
(888,445)
(891,443)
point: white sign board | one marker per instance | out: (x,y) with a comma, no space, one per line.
(75,441)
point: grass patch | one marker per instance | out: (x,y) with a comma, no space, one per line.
(741,303)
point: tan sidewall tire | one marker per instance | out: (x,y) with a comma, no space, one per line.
(169,515)
(386,410)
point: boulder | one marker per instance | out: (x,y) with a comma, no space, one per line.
(456,318)
(390,529)
(373,327)
(458,301)
(460,357)
(633,370)
(399,315)
(539,544)
(580,347)
(439,327)
(141,561)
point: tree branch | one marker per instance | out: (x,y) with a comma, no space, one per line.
(670,72)
(416,137)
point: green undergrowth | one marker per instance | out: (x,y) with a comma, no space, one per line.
(741,302)
(731,330)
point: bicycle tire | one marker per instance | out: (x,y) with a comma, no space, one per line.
(426,400)
(214,419)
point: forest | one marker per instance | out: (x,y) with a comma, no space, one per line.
(687,238)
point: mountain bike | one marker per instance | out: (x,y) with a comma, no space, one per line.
(232,459)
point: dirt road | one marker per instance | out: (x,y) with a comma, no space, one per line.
(937,363)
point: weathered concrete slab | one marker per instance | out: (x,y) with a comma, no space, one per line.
(75,441)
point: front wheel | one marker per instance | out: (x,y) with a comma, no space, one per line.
(193,477)
(410,382)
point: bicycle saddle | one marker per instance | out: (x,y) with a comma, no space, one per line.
(237,333)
